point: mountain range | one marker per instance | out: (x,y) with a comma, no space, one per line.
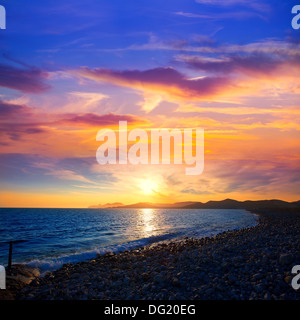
(223,204)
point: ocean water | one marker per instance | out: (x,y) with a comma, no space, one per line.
(52,237)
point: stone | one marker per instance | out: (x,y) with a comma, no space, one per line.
(286,259)
(175,282)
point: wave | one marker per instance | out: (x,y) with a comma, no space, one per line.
(52,264)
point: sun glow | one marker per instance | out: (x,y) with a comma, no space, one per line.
(148,187)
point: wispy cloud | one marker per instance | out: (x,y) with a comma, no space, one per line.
(95,120)
(68,175)
(255,63)
(205,45)
(256,5)
(240,15)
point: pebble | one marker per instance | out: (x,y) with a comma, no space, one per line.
(286,259)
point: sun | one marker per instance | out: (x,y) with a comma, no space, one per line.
(148,186)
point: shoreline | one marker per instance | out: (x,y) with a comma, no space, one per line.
(247,263)
(56,261)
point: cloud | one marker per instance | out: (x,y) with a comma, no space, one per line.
(280,47)
(84,101)
(95,120)
(225,70)
(257,63)
(17,132)
(159,80)
(240,15)
(27,80)
(68,175)
(196,192)
(256,5)
(232,177)
(255,175)
(17,120)
(21,122)
(11,110)
(30,169)
(151,101)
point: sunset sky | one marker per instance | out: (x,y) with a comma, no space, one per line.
(70,68)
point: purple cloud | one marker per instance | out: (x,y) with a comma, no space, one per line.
(28,80)
(12,110)
(17,120)
(163,80)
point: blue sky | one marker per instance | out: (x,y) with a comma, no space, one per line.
(55,34)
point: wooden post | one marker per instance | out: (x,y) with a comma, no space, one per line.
(10,256)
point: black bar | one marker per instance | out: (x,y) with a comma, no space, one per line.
(219,307)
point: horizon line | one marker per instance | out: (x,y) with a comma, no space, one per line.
(167,203)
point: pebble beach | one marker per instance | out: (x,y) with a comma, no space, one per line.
(247,264)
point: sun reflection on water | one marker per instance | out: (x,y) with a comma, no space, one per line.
(148,220)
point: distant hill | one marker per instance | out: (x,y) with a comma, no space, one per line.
(145,205)
(276,204)
(296,203)
(223,204)
(250,205)
(107,205)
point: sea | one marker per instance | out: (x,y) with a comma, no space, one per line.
(49,238)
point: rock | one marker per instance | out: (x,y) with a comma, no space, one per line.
(158,279)
(286,259)
(175,282)
(145,275)
(267,296)
(257,276)
(109,254)
(288,279)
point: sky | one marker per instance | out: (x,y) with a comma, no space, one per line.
(71,68)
